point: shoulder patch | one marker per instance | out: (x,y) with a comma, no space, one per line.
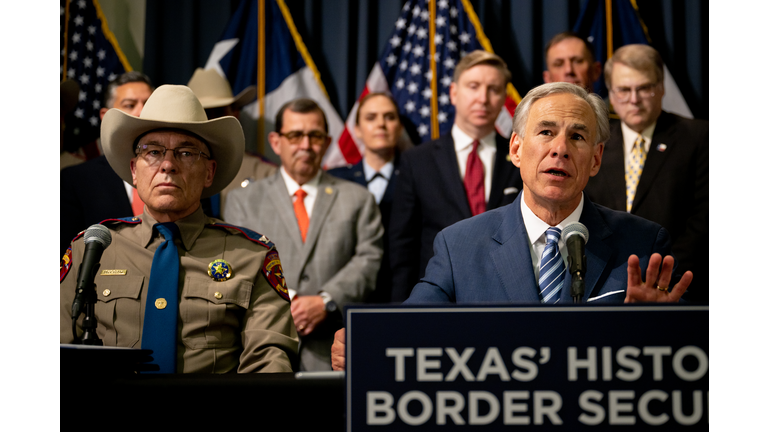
(273,272)
(66,263)
(247,233)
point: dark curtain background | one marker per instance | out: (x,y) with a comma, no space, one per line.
(345,38)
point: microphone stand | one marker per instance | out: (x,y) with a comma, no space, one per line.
(577,286)
(89,322)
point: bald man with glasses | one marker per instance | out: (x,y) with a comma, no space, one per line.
(656,164)
(328,230)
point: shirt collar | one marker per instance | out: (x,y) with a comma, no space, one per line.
(630,136)
(309,187)
(385,171)
(190,227)
(537,228)
(461,140)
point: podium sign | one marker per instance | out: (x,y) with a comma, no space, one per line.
(570,368)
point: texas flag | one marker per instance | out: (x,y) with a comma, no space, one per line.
(262,47)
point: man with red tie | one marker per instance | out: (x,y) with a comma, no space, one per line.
(456,176)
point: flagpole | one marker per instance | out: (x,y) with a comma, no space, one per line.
(66,39)
(261,80)
(609,27)
(433,70)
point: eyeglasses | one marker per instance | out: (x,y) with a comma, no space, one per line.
(295,137)
(154,154)
(624,94)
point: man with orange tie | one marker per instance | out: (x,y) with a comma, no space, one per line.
(91,192)
(328,230)
(456,176)
(656,164)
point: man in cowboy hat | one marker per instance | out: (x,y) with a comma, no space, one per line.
(203,295)
(215,94)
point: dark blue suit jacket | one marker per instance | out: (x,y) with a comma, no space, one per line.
(487,258)
(355,173)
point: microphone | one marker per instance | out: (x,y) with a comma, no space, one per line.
(97,238)
(576,236)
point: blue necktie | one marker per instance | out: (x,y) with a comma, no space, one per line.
(162,308)
(551,269)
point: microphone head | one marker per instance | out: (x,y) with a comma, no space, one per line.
(98,233)
(576,228)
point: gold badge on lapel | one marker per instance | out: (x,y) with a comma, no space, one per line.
(328,190)
(220,270)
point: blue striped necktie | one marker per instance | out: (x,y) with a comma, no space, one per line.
(162,309)
(551,269)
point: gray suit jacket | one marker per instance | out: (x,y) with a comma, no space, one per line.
(341,255)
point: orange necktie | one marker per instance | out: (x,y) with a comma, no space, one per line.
(137,205)
(301,213)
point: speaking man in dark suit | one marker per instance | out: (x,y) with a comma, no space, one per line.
(91,192)
(656,164)
(515,254)
(455,176)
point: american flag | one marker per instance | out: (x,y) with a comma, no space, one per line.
(450,29)
(89,55)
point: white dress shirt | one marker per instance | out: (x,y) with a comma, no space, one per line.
(486,150)
(630,136)
(309,187)
(537,232)
(378,185)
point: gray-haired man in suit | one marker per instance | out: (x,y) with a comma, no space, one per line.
(328,230)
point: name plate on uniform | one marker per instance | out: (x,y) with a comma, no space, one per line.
(555,368)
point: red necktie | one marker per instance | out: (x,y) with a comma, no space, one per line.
(137,205)
(301,213)
(474,181)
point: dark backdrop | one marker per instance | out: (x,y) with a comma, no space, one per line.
(345,38)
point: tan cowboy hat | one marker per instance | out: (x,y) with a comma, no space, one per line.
(214,91)
(174,107)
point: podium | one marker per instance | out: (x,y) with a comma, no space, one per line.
(546,367)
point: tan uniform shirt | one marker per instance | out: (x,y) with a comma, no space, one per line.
(240,324)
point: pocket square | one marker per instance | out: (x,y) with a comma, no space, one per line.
(511,190)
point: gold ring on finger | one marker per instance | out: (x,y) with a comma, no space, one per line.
(665,289)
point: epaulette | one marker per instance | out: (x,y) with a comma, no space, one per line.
(66,260)
(249,234)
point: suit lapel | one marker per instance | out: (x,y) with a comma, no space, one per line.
(389,192)
(598,251)
(663,134)
(326,195)
(503,170)
(358,174)
(512,259)
(612,168)
(450,177)
(283,203)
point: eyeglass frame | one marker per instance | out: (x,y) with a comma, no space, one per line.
(636,90)
(191,149)
(299,138)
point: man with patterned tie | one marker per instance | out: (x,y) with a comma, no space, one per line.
(656,164)
(205,296)
(516,254)
(328,230)
(456,176)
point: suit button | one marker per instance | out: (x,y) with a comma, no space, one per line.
(218,295)
(304,278)
(106,293)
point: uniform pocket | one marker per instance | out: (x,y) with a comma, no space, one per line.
(118,309)
(212,312)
